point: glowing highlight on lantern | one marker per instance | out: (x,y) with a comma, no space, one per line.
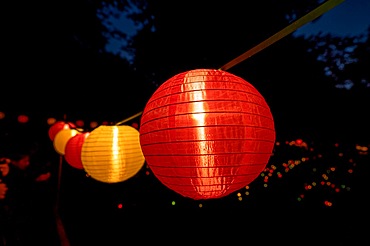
(115,152)
(207,173)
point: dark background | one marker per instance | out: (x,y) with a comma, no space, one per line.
(55,65)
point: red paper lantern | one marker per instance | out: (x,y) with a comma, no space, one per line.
(206,133)
(73,149)
(57,126)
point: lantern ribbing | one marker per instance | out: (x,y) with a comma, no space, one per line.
(206,133)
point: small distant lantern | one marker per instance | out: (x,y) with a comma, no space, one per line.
(112,154)
(61,139)
(299,141)
(206,133)
(23,118)
(73,150)
(57,126)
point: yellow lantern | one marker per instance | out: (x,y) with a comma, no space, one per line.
(112,154)
(61,139)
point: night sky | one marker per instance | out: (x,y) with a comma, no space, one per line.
(348,18)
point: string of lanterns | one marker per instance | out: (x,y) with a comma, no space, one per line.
(108,154)
(204,133)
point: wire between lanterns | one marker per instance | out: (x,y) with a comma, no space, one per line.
(129,118)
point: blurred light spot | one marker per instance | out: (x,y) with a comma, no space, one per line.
(80,123)
(93,124)
(23,118)
(50,121)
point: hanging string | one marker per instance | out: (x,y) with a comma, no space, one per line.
(64,241)
(284,32)
(60,167)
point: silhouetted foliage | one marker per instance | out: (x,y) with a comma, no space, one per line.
(292,74)
(344,59)
(59,57)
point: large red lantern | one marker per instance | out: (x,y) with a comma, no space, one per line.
(206,133)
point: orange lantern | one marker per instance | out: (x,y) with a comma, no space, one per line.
(206,133)
(61,139)
(73,150)
(57,126)
(112,154)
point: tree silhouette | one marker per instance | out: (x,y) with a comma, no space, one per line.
(59,57)
(344,59)
(292,74)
